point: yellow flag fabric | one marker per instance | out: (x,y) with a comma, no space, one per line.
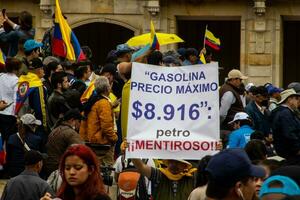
(2,58)
(65,32)
(87,93)
(152,32)
(125,108)
(202,58)
(209,35)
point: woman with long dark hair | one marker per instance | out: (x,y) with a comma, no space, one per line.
(79,168)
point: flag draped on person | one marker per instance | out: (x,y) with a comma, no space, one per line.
(30,86)
(2,58)
(65,43)
(211,40)
(154,41)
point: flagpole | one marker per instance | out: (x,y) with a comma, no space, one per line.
(204,36)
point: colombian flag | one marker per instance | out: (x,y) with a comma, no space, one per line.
(64,42)
(30,86)
(2,58)
(154,40)
(211,40)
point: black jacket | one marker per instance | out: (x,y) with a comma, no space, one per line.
(57,106)
(286,131)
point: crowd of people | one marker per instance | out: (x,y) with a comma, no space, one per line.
(61,119)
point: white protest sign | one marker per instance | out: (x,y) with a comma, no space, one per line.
(173,112)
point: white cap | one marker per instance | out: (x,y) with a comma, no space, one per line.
(29,119)
(240,116)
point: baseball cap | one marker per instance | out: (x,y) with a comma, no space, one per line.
(32,157)
(73,114)
(240,116)
(232,165)
(29,45)
(249,86)
(29,119)
(123,48)
(35,63)
(291,171)
(236,74)
(272,89)
(289,187)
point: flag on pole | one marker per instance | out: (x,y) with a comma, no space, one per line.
(154,41)
(211,40)
(2,58)
(65,43)
(202,58)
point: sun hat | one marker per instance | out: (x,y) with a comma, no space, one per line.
(236,74)
(286,94)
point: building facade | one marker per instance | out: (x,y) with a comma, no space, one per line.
(259,36)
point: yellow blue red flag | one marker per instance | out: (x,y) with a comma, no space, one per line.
(65,43)
(154,41)
(211,40)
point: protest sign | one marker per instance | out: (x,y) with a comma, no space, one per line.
(173,112)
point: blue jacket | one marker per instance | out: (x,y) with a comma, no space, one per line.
(15,151)
(286,131)
(260,121)
(12,38)
(240,137)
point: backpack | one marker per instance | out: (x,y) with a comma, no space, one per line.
(131,183)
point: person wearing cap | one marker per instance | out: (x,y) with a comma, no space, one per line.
(258,110)
(231,98)
(99,127)
(286,126)
(232,176)
(243,130)
(124,53)
(191,57)
(28,185)
(32,96)
(275,97)
(31,50)
(57,104)
(25,139)
(277,187)
(174,182)
(24,31)
(296,87)
(61,137)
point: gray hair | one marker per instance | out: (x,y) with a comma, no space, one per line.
(102,85)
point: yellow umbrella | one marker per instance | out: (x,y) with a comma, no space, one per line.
(163,39)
